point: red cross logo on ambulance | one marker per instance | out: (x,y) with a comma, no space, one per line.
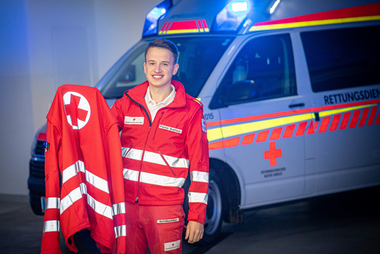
(77,109)
(272,154)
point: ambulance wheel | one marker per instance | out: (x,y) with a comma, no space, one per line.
(214,215)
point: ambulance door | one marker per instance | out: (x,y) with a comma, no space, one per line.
(262,122)
(343,65)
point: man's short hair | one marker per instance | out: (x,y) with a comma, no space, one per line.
(163,43)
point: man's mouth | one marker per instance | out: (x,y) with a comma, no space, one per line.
(157,76)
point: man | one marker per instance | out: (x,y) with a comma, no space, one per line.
(163,134)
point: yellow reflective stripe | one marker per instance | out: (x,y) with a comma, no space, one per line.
(313,23)
(337,111)
(197,197)
(199,176)
(53,203)
(239,129)
(120,231)
(51,226)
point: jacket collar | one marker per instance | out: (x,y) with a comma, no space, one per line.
(138,93)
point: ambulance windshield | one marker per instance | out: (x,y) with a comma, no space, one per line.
(197,58)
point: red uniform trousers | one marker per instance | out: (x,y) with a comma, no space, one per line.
(157,227)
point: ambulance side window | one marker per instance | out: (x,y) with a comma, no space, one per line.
(263,69)
(342,58)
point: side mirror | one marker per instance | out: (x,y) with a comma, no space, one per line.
(129,74)
(240,92)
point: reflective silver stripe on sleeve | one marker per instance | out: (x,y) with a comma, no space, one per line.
(136,154)
(97,182)
(51,226)
(197,197)
(120,231)
(161,180)
(131,175)
(172,161)
(118,208)
(53,203)
(199,176)
(99,208)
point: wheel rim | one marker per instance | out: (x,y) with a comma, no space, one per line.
(214,208)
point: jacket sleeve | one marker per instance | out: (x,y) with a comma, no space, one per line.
(197,148)
(51,230)
(116,111)
(116,184)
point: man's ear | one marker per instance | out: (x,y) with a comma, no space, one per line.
(175,70)
(144,67)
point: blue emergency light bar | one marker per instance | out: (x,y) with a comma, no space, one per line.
(232,16)
(156,14)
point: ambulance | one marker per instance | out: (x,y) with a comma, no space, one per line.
(291,96)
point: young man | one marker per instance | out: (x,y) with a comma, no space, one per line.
(163,135)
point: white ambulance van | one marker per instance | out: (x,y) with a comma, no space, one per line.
(291,95)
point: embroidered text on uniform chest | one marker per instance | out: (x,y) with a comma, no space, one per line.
(164,127)
(134,120)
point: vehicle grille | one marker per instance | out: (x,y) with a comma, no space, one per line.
(37,168)
(40,148)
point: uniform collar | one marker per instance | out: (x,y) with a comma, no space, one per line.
(138,94)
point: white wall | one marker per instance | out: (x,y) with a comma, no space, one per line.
(44,44)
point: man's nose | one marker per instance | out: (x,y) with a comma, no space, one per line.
(158,68)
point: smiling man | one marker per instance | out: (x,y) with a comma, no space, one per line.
(163,138)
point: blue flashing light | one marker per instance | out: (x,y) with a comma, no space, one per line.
(238,7)
(232,16)
(156,14)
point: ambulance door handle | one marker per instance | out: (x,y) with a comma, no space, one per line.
(297,105)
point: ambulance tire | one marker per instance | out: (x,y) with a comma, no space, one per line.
(214,215)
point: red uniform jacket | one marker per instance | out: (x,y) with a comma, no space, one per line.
(83,171)
(158,155)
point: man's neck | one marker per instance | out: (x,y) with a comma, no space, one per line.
(159,94)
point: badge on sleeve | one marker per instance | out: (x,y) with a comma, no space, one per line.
(204,129)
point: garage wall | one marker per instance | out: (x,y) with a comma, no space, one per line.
(44,44)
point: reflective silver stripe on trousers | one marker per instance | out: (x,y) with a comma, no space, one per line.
(197,197)
(118,208)
(53,203)
(94,180)
(77,193)
(51,226)
(136,154)
(120,231)
(155,179)
(199,176)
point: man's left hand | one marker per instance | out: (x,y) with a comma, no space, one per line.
(194,231)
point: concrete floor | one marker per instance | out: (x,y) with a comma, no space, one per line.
(343,223)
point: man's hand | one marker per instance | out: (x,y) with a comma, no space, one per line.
(194,231)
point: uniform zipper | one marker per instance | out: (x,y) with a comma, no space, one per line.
(167,164)
(146,141)
(158,125)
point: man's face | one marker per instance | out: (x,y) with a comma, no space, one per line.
(160,67)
